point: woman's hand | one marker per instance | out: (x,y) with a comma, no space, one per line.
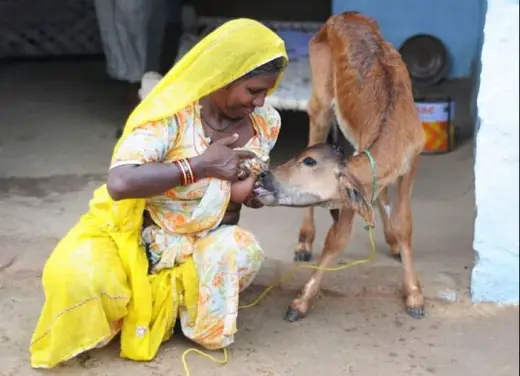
(220,161)
(242,189)
(252,201)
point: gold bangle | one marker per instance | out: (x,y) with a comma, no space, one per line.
(189,171)
(193,176)
(183,172)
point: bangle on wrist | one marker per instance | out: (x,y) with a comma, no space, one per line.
(187,175)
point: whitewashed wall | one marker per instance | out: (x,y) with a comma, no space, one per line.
(495,276)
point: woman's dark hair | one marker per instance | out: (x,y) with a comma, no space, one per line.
(274,66)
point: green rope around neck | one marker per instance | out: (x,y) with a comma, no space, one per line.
(374,181)
(374,177)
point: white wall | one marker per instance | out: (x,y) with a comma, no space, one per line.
(495,276)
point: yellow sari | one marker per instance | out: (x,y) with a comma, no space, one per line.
(142,307)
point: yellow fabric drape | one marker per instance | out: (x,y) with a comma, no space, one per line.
(223,56)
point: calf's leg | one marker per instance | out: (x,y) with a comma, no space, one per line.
(336,240)
(321,115)
(401,225)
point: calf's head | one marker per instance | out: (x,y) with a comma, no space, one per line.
(317,176)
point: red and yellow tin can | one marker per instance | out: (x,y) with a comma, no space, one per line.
(437,120)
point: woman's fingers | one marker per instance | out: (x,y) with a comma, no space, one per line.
(244,154)
(242,173)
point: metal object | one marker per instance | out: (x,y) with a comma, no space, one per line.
(427,59)
(43,28)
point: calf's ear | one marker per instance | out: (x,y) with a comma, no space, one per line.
(355,196)
(351,189)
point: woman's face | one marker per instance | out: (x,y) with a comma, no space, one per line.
(240,98)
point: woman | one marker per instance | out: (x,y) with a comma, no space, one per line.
(160,240)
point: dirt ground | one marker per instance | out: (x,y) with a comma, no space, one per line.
(57,123)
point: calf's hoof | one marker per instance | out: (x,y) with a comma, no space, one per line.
(395,252)
(293,315)
(415,312)
(303,251)
(415,304)
(302,256)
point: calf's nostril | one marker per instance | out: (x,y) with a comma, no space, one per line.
(265,180)
(263,176)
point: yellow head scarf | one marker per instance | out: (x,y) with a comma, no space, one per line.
(226,54)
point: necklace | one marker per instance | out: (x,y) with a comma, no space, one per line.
(219,130)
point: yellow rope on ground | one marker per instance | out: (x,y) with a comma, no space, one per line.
(286,277)
(210,357)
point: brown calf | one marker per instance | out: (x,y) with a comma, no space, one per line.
(359,80)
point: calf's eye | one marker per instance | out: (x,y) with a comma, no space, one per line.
(309,162)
